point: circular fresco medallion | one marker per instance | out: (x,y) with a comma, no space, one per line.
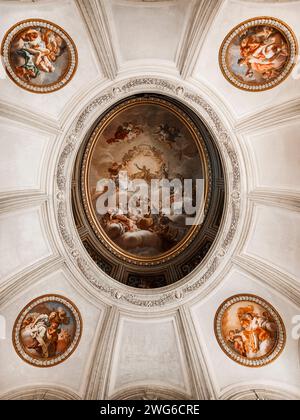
(258,54)
(144,148)
(39,56)
(249,330)
(47,331)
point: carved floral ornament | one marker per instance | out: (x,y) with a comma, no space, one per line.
(73,245)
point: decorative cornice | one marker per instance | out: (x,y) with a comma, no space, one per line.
(151,393)
(280,198)
(40,392)
(271,276)
(73,246)
(14,201)
(28,202)
(203,14)
(276,116)
(275,278)
(97,24)
(24,278)
(98,383)
(20,114)
(259,391)
(204,387)
(267,1)
(28,277)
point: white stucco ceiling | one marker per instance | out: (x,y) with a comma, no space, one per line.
(172,348)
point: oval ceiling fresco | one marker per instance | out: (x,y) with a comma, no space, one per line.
(143,186)
(145,140)
(39,56)
(258,54)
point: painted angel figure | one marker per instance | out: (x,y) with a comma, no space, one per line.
(39,332)
(42,332)
(168,134)
(127,131)
(264,53)
(257,332)
(236,342)
(144,173)
(165,171)
(37,51)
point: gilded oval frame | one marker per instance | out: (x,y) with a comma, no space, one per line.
(203,156)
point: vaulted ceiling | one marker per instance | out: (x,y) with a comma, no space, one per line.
(167,349)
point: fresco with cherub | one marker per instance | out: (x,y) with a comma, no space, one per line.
(39,56)
(249,329)
(146,141)
(47,331)
(259,54)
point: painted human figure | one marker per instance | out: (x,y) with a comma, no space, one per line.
(39,332)
(265,53)
(236,341)
(126,131)
(45,330)
(257,334)
(38,50)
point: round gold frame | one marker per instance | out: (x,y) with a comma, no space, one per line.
(277,349)
(65,78)
(50,362)
(279,25)
(98,230)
